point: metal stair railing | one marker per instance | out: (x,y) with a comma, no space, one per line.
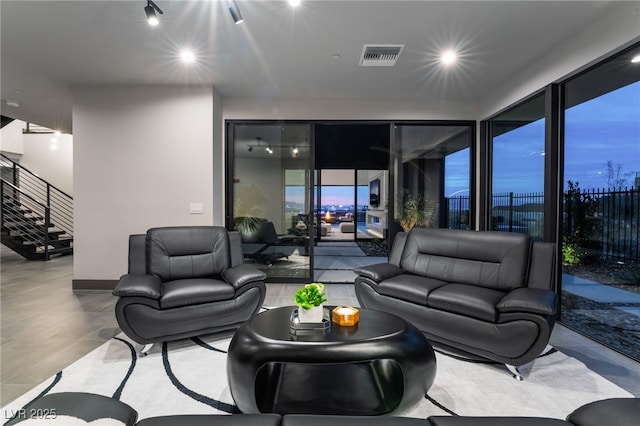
(26,217)
(59,202)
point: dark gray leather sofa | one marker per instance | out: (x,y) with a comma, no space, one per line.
(487,294)
(90,407)
(610,412)
(186,281)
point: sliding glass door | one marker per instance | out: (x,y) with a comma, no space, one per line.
(270,197)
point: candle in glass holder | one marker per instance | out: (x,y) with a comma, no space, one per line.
(345,316)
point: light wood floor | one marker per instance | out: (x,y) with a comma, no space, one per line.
(47,326)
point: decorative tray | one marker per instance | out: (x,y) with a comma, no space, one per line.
(296,327)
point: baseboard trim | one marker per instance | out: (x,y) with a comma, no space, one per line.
(93,284)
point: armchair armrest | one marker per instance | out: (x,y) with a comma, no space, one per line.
(379,271)
(139,285)
(534,300)
(241,275)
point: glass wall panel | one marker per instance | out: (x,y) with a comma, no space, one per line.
(432,176)
(601,206)
(518,149)
(271,174)
(456,188)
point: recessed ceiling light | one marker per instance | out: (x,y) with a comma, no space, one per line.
(187,56)
(448,57)
(294,3)
(635,59)
(335,56)
(14,104)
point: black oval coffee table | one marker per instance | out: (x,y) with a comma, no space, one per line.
(382,365)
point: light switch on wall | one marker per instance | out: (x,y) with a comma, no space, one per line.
(196,208)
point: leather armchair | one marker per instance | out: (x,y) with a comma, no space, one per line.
(184,282)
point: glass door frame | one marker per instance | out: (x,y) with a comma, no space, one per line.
(230,180)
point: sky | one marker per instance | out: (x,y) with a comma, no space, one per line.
(604,129)
(331,195)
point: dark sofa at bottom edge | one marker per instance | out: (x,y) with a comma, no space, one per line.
(610,412)
(90,407)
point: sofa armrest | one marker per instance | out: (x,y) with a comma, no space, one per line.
(534,300)
(379,271)
(139,285)
(241,275)
(137,254)
(397,248)
(542,267)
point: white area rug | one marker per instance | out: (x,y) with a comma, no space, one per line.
(189,377)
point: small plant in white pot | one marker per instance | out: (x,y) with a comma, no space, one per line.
(310,300)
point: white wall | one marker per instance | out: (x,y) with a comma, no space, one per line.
(52,161)
(142,154)
(11,137)
(347,109)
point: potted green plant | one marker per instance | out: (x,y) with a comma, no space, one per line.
(310,300)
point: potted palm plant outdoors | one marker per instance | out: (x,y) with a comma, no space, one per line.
(416,210)
(310,300)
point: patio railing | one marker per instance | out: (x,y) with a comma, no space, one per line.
(607,219)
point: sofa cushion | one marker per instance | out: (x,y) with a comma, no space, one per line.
(495,421)
(213,419)
(497,260)
(194,291)
(467,300)
(328,420)
(412,288)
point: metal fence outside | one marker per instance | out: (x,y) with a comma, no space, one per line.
(607,220)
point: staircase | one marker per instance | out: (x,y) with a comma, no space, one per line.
(37,217)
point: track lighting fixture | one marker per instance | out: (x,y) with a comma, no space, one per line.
(270,149)
(234,10)
(150,10)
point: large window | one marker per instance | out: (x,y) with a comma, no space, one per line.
(433,176)
(601,204)
(518,148)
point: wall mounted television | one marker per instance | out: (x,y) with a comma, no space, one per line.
(374,193)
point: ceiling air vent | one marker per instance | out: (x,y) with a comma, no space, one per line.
(381,55)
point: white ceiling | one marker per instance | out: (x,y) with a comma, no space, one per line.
(47,47)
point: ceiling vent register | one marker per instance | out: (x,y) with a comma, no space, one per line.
(381,55)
